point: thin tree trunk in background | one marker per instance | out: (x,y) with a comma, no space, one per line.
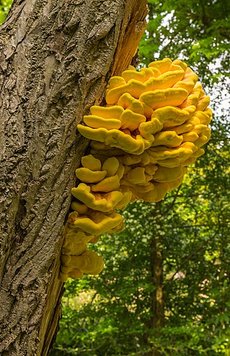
(157,301)
(56,57)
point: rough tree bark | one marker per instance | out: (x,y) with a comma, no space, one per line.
(55,59)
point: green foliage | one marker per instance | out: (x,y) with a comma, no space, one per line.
(4,9)
(197,31)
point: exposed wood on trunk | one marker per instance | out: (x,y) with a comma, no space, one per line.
(131,32)
(55,59)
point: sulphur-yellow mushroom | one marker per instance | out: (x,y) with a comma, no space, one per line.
(142,76)
(111,166)
(168,139)
(74,235)
(69,272)
(116,138)
(165,175)
(164,97)
(162,65)
(86,175)
(101,202)
(71,247)
(131,120)
(97,122)
(127,101)
(110,112)
(97,223)
(91,163)
(153,125)
(79,207)
(87,262)
(107,185)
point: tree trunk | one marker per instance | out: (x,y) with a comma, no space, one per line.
(55,59)
(157,276)
(157,301)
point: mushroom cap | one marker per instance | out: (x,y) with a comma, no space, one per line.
(91,163)
(88,262)
(97,223)
(100,202)
(86,175)
(116,138)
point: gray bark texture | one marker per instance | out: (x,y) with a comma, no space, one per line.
(56,57)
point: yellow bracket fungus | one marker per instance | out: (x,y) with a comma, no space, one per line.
(107,112)
(116,138)
(167,138)
(91,163)
(167,97)
(153,126)
(131,120)
(107,185)
(96,223)
(87,262)
(165,174)
(100,202)
(88,176)
(97,122)
(111,166)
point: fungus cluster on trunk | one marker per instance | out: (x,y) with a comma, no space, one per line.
(153,126)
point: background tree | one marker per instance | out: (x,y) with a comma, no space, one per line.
(165,286)
(56,58)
